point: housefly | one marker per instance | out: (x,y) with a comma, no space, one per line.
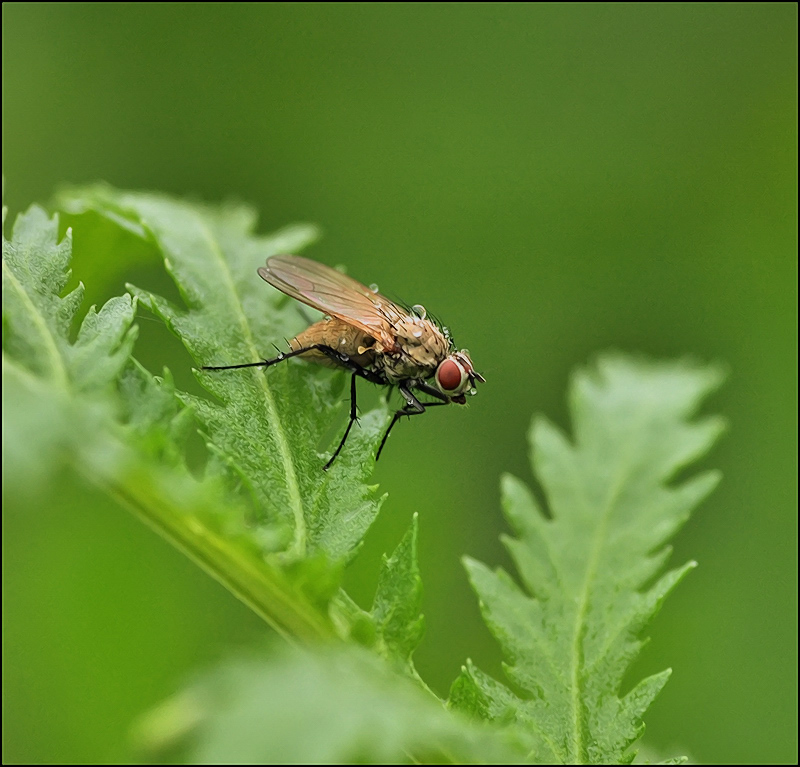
(372,337)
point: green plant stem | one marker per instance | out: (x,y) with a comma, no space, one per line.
(261,587)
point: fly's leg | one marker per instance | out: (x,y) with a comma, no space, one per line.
(341,359)
(353,419)
(329,351)
(414,407)
(428,389)
(263,364)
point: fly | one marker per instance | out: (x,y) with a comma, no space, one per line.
(372,337)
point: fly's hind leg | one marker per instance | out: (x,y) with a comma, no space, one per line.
(353,419)
(341,359)
(263,364)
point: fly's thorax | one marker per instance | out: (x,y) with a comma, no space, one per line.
(347,339)
(419,348)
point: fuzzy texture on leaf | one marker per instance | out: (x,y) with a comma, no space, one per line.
(591,567)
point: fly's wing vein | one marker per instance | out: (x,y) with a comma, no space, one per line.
(335,294)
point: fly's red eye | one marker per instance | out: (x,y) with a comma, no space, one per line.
(449,376)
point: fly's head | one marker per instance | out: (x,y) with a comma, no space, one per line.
(456,376)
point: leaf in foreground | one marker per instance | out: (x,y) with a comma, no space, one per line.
(337,706)
(591,568)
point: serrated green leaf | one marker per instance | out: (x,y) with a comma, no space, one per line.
(394,626)
(477,694)
(57,394)
(263,438)
(88,406)
(268,427)
(153,413)
(395,609)
(589,566)
(340,706)
(37,320)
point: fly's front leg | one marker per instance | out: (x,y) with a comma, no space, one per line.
(353,419)
(434,392)
(413,407)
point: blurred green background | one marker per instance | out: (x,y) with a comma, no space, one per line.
(552,180)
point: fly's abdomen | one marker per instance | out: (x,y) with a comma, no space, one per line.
(342,336)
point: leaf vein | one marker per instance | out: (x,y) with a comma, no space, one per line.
(299,544)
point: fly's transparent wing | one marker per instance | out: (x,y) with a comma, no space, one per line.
(335,294)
